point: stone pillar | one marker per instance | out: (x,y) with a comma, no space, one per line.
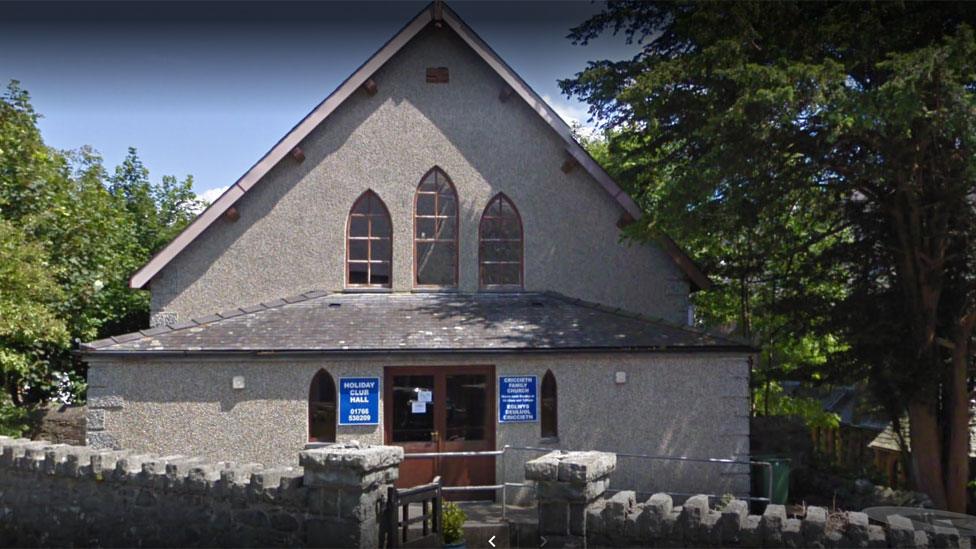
(347,483)
(568,484)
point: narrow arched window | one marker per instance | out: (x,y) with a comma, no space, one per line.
(436,231)
(500,245)
(369,250)
(550,407)
(322,408)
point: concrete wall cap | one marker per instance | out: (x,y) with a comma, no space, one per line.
(353,456)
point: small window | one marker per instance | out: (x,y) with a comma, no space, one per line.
(500,247)
(369,250)
(436,231)
(550,408)
(322,408)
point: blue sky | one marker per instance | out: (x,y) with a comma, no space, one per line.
(207,88)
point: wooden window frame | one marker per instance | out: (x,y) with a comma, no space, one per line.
(437,171)
(554,436)
(481,274)
(369,254)
(313,388)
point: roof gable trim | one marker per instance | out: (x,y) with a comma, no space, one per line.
(440,12)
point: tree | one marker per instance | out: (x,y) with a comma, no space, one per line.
(78,235)
(849,130)
(756,256)
(161,211)
(30,327)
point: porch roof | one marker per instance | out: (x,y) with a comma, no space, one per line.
(417,322)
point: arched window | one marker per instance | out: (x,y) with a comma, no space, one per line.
(322,408)
(436,231)
(500,245)
(369,251)
(550,407)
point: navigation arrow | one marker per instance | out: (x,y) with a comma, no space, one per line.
(491,541)
(544,540)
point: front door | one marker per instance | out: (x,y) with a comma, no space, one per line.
(442,409)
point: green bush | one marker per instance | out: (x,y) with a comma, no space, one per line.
(15,421)
(453,518)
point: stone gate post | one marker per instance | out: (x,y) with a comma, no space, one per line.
(567,485)
(348,484)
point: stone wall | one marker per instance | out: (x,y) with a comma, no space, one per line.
(574,511)
(60,495)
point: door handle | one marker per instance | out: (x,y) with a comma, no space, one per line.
(435,436)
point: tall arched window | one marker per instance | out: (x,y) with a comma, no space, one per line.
(436,231)
(550,407)
(369,251)
(322,408)
(500,245)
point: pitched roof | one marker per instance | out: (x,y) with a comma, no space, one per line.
(416,322)
(443,13)
(888,439)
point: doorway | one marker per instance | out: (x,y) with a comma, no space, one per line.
(442,409)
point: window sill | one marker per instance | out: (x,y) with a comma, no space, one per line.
(502,289)
(436,290)
(366,290)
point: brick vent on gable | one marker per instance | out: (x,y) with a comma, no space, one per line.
(438,75)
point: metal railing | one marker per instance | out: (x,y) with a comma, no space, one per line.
(505,485)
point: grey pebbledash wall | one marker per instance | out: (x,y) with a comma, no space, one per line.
(290,237)
(58,495)
(574,511)
(678,404)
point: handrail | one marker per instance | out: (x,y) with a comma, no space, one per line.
(505,448)
(473,453)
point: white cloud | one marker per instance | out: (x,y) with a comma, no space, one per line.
(210,195)
(574,114)
(207,197)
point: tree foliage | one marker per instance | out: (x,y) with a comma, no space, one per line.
(67,251)
(818,157)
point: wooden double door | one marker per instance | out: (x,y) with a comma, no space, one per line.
(442,409)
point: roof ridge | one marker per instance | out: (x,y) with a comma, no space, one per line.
(643,317)
(208,319)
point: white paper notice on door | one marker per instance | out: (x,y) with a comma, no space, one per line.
(425,396)
(418,407)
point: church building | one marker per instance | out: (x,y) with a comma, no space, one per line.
(428,259)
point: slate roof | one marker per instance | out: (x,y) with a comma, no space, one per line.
(849,402)
(888,440)
(431,322)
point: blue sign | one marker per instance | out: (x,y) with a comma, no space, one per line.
(518,399)
(359,401)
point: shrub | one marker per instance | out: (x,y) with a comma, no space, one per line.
(453,518)
(15,421)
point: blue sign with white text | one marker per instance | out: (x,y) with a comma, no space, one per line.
(359,401)
(518,400)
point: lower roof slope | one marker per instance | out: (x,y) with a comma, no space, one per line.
(420,322)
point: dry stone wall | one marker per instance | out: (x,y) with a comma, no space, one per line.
(574,511)
(61,495)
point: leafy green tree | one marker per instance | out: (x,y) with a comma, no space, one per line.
(832,145)
(756,260)
(160,211)
(30,326)
(86,233)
